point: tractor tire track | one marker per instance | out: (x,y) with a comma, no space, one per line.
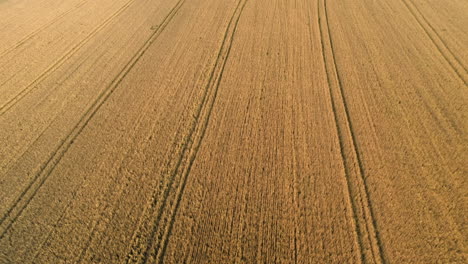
(329,73)
(47,168)
(113,188)
(115,184)
(9,104)
(201,127)
(189,150)
(43,131)
(438,42)
(37,31)
(368,237)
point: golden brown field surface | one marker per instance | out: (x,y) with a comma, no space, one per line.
(234,131)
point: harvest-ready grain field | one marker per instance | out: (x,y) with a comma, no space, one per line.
(233,131)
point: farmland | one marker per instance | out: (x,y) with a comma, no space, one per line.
(234,131)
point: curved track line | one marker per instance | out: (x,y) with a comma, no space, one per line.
(437,34)
(35,32)
(364,201)
(114,183)
(188,152)
(197,141)
(46,169)
(24,152)
(455,62)
(8,105)
(51,232)
(339,135)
